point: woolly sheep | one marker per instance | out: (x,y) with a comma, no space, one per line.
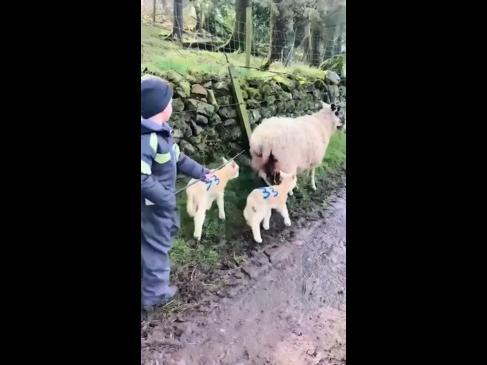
(293,145)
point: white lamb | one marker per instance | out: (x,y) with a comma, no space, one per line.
(293,144)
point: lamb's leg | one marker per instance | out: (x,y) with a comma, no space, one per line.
(221,208)
(199,219)
(267,220)
(285,214)
(290,193)
(256,229)
(313,182)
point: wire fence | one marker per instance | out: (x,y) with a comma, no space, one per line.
(288,47)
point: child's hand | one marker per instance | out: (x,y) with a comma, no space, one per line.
(207,177)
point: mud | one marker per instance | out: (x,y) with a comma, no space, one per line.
(283,304)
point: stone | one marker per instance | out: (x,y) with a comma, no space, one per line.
(223,100)
(199,90)
(215,119)
(255,115)
(200,107)
(183,89)
(229,122)
(252,103)
(177,105)
(187,147)
(285,83)
(253,93)
(201,119)
(270,99)
(178,133)
(227,112)
(221,88)
(332,78)
(196,128)
(174,77)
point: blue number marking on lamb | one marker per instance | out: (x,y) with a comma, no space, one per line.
(267,191)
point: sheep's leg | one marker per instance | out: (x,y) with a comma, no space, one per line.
(313,182)
(267,219)
(221,208)
(199,219)
(285,214)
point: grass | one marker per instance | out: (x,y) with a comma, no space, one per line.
(161,56)
(182,254)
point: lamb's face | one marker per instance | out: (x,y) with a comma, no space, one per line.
(232,167)
(290,179)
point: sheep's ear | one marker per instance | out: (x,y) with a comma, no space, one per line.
(224,160)
(283,174)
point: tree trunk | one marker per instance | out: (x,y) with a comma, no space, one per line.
(300,25)
(200,17)
(177,30)
(281,39)
(237,40)
(306,44)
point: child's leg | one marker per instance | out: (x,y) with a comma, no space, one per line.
(221,206)
(156,241)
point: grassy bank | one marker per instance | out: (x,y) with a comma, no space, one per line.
(161,55)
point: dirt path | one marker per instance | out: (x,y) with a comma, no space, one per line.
(286,307)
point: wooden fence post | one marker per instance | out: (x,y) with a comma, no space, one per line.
(241,109)
(154,11)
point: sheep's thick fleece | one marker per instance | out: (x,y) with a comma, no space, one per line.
(295,144)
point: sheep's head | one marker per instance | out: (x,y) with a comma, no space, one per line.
(335,114)
(257,161)
(232,167)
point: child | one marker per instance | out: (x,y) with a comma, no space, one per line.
(160,162)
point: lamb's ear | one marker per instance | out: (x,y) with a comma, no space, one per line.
(224,160)
(283,174)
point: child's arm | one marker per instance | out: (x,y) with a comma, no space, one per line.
(189,167)
(150,187)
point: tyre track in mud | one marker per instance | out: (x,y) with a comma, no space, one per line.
(287,306)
